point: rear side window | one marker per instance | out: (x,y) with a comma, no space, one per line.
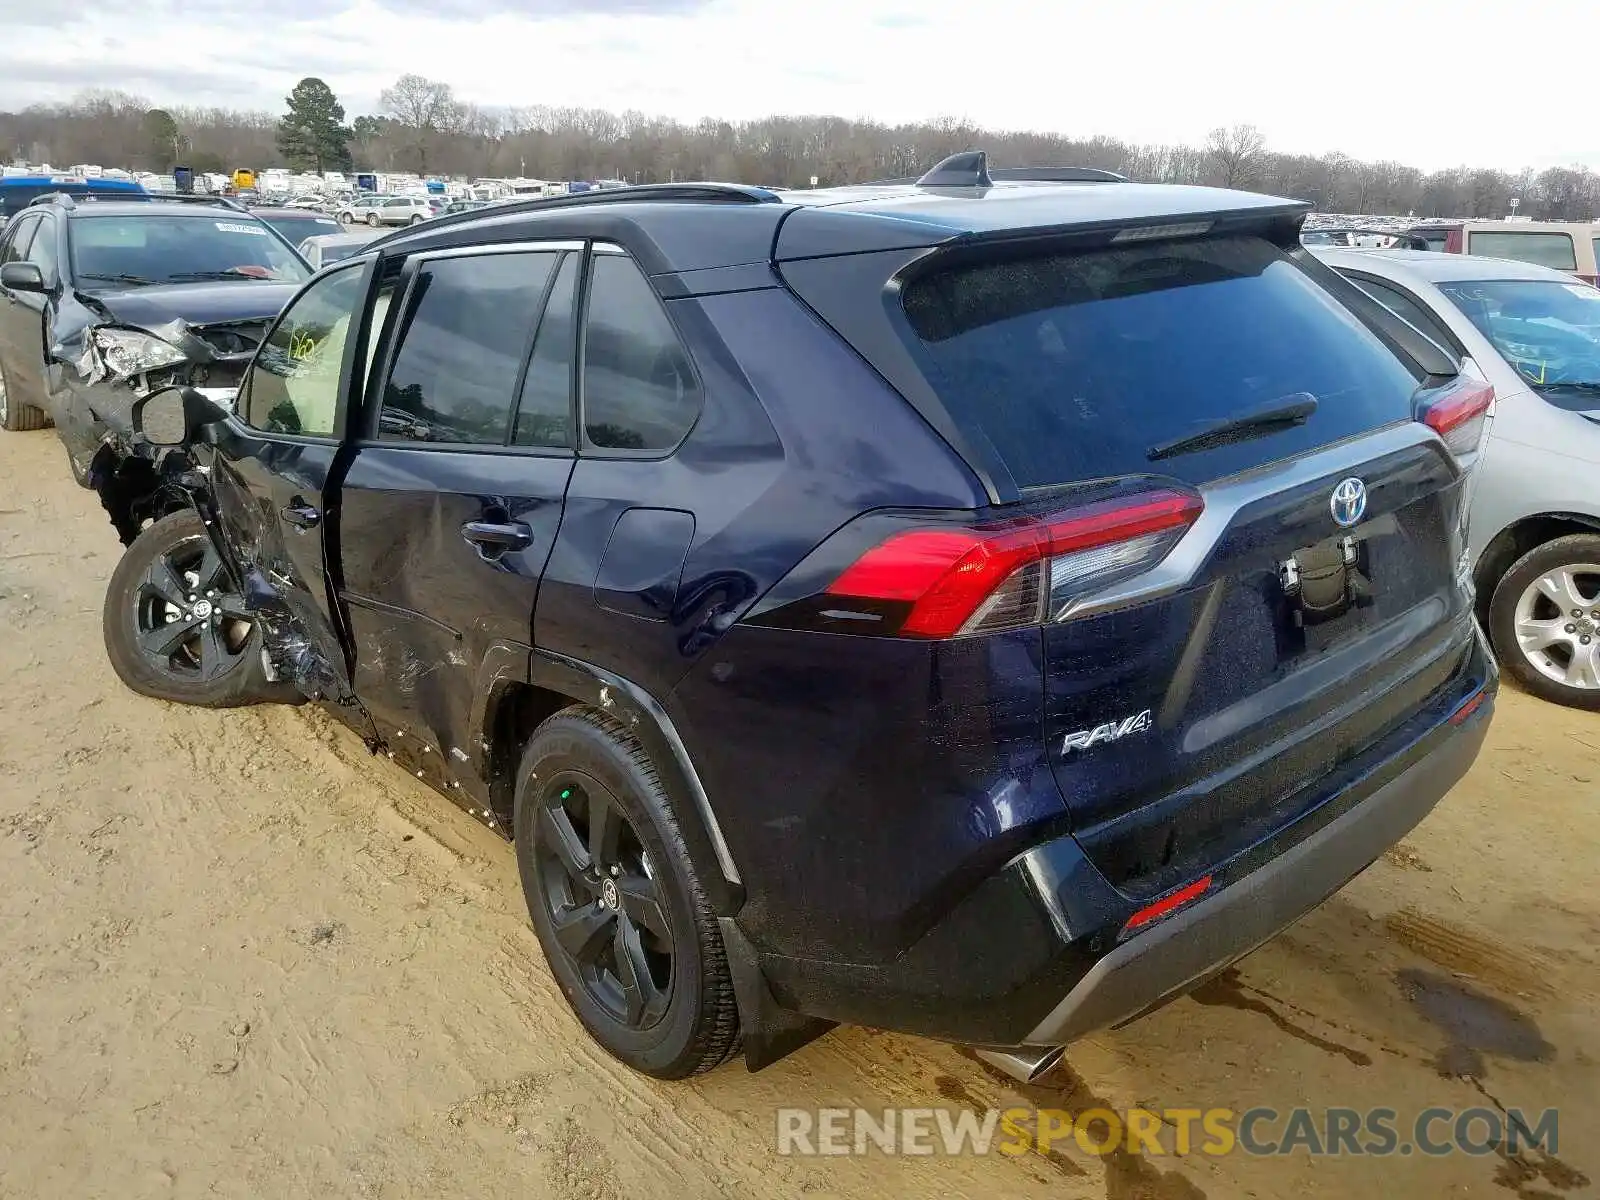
(1543,249)
(544,414)
(639,391)
(454,377)
(1075,366)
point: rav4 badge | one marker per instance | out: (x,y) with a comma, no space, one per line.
(1111,731)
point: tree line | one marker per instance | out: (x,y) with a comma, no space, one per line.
(422,126)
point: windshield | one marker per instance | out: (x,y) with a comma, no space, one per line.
(1075,366)
(1549,331)
(170,248)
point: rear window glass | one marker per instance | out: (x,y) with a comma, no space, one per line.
(1541,249)
(1074,366)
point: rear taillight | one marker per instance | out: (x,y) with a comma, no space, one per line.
(949,581)
(1457,415)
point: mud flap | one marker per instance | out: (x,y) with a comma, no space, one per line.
(770,1031)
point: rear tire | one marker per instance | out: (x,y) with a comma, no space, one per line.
(416,220)
(15,415)
(372,219)
(616,902)
(1544,621)
(164,645)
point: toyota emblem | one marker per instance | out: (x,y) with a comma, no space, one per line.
(1348,504)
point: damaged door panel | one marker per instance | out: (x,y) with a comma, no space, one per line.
(274,478)
(454,496)
(271,501)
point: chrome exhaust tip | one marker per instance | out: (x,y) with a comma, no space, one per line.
(1024,1064)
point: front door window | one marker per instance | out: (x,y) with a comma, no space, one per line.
(293,385)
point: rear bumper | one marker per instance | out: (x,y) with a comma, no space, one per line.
(1198,941)
(1036,954)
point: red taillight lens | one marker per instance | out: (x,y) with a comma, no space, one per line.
(963,581)
(1167,904)
(1458,415)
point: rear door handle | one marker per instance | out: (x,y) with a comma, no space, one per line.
(498,536)
(300,514)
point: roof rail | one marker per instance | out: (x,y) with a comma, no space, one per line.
(66,200)
(970,168)
(198,198)
(680,193)
(1056,175)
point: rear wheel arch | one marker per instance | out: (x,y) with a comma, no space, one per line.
(1516,540)
(520,689)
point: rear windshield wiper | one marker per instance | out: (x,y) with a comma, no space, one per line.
(1292,409)
(136,279)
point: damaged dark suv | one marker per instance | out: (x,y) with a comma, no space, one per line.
(107,301)
(983,607)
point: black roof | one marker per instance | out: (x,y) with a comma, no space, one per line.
(675,228)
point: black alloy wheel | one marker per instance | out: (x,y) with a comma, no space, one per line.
(190,621)
(175,622)
(599,889)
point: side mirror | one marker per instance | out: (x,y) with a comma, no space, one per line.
(173,416)
(22,277)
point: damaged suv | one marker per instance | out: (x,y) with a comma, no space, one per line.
(108,301)
(983,607)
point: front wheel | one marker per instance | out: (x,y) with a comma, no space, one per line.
(615,900)
(347,218)
(1544,620)
(175,623)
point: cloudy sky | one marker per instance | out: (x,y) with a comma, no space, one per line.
(1432,83)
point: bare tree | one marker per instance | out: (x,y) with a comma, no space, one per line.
(424,127)
(1236,154)
(423,108)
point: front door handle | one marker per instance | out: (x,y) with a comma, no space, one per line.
(496,537)
(300,514)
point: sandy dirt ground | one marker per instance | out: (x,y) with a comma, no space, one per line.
(239,957)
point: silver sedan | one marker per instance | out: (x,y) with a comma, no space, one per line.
(1534,333)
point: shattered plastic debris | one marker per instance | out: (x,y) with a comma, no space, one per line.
(290,653)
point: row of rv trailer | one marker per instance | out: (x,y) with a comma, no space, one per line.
(279,181)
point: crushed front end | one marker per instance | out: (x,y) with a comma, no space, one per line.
(105,367)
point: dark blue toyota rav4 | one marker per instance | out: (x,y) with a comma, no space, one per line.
(983,607)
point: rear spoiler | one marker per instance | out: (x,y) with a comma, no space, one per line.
(820,232)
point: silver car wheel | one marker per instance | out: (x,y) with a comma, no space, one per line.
(1557,624)
(4,412)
